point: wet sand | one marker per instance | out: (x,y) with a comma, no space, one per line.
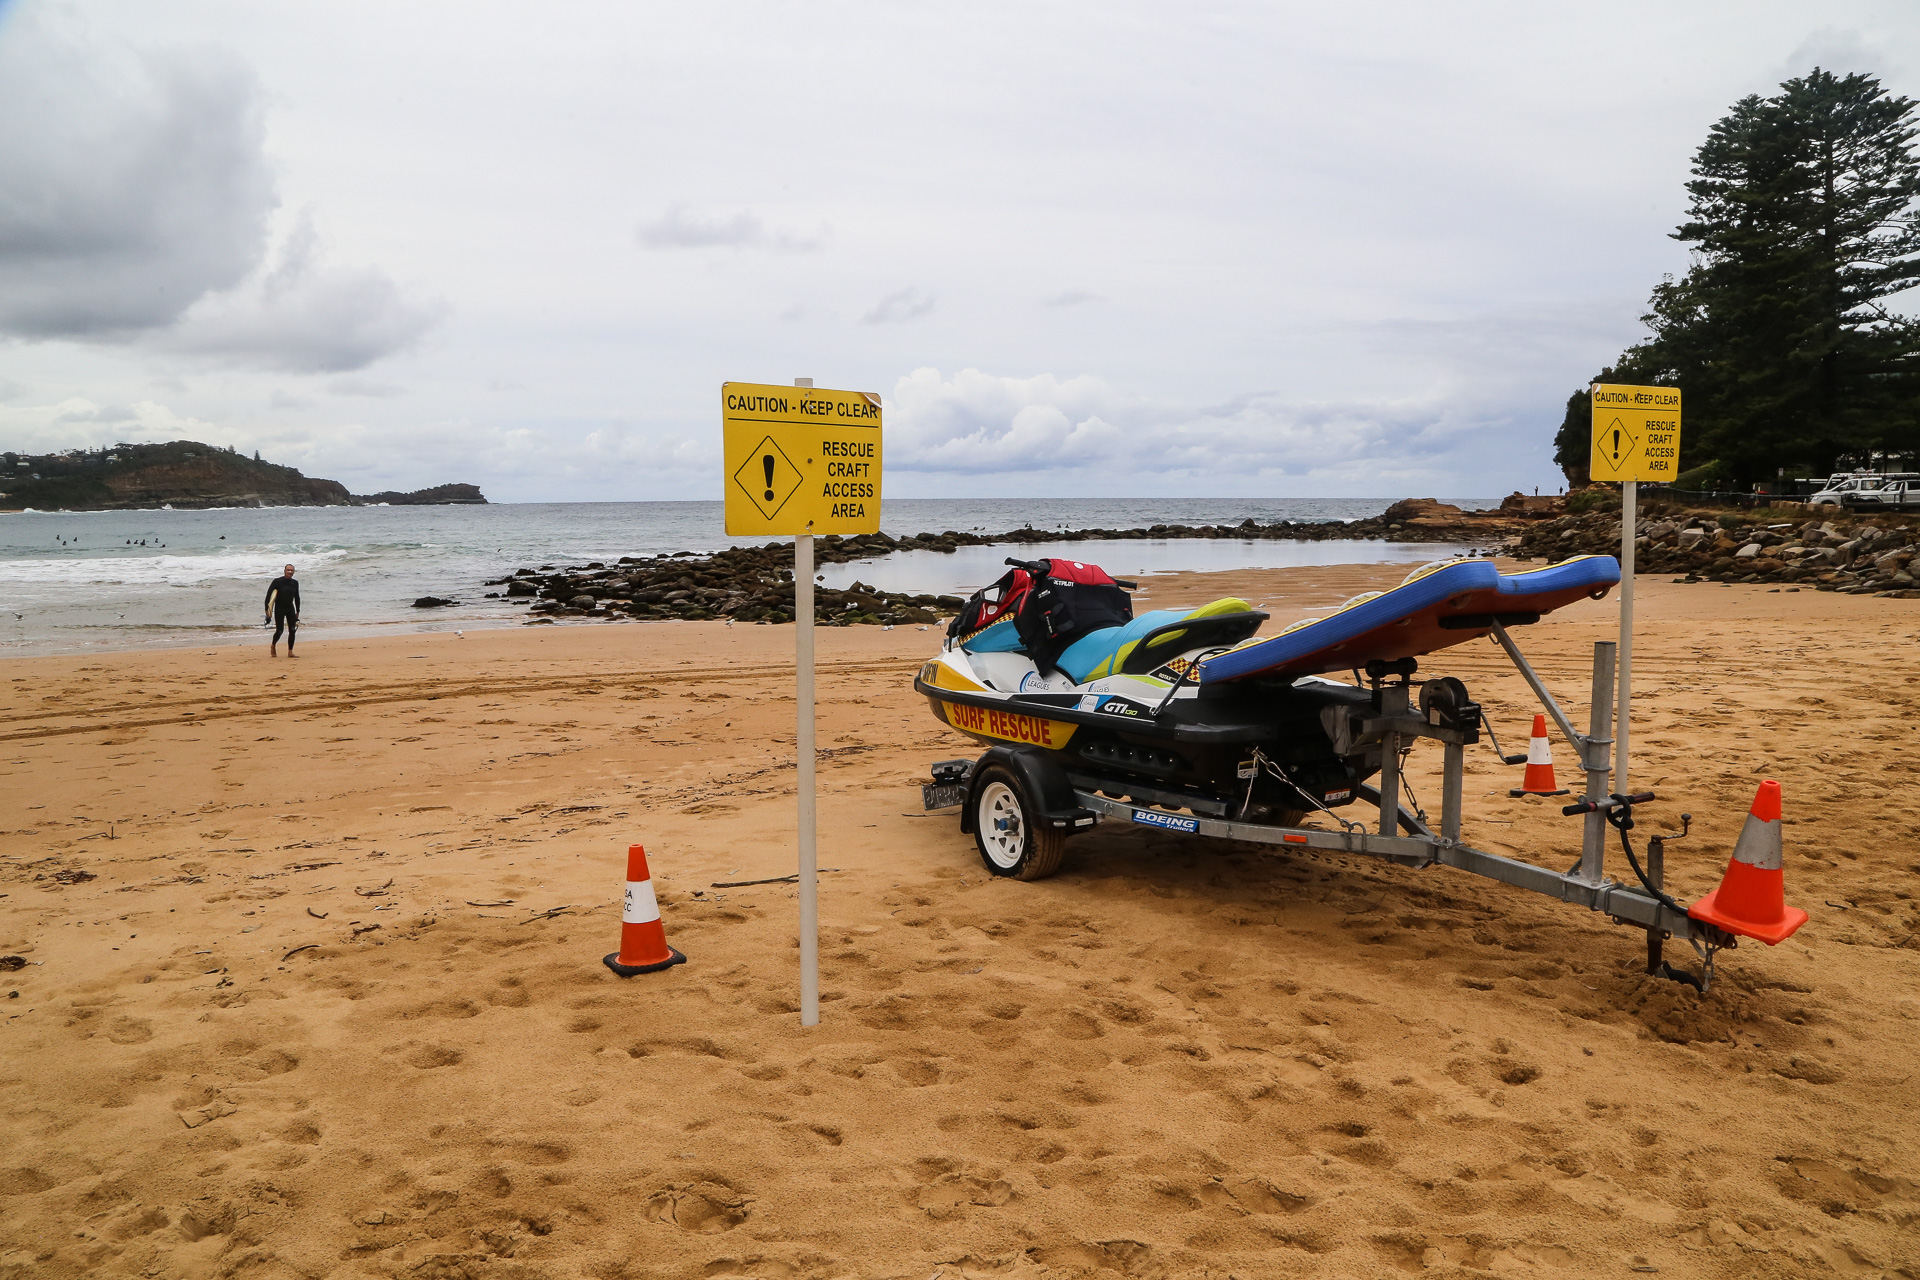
(313,982)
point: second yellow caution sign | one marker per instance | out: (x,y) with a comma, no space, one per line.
(800,460)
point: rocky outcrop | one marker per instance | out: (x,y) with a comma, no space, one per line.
(1856,556)
(1519,504)
(755,584)
(747,584)
(441,495)
(1409,520)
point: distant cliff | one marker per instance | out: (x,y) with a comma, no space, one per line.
(441,495)
(182,474)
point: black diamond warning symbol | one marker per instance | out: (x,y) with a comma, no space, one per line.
(1615,445)
(768,477)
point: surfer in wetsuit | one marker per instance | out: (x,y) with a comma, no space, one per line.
(283,605)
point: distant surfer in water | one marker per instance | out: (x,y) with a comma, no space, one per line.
(283,606)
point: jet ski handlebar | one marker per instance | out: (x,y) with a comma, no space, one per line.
(1040,569)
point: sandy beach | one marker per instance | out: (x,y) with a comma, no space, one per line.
(312,981)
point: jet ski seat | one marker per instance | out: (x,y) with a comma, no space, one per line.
(1155,636)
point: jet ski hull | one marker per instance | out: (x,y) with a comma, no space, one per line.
(1200,746)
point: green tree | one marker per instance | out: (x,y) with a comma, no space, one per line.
(1780,334)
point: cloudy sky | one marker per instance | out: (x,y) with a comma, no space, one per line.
(1282,249)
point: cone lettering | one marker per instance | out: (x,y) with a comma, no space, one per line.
(643,940)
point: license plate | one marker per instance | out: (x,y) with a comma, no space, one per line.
(939,796)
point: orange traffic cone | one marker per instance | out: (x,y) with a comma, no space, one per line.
(1751,899)
(643,942)
(1538,779)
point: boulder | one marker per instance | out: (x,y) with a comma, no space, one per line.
(431,602)
(1422,511)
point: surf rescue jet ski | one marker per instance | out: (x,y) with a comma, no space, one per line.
(1190,709)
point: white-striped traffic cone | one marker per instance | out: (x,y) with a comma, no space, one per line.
(1538,779)
(1751,899)
(643,940)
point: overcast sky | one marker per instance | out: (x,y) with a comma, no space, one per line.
(1096,248)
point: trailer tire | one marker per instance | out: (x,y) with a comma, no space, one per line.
(1012,840)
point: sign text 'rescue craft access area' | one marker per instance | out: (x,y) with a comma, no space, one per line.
(800,460)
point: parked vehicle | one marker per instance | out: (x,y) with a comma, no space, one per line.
(1842,489)
(1895,493)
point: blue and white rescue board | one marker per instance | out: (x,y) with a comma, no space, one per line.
(1436,607)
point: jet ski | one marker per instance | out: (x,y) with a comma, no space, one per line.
(1192,709)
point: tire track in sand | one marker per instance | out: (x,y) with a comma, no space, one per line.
(352,697)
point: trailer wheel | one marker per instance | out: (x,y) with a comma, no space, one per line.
(1006,827)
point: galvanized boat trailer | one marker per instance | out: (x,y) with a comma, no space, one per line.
(1445,715)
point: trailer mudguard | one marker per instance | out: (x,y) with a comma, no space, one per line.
(1044,781)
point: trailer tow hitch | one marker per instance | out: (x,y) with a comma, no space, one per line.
(1618,811)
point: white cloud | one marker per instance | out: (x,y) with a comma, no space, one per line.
(79,422)
(1841,50)
(1388,265)
(100,413)
(682,228)
(366,388)
(136,207)
(304,314)
(907,304)
(139,186)
(981,424)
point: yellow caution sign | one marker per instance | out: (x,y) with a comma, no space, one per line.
(800,460)
(1636,432)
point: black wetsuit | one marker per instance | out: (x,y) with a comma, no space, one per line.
(283,600)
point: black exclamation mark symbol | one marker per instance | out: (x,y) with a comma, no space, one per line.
(766,463)
(1616,453)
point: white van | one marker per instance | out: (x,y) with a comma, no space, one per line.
(1844,490)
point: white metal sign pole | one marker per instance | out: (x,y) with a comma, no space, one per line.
(1629,517)
(809,859)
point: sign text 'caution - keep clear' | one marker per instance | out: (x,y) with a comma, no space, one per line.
(1636,432)
(800,460)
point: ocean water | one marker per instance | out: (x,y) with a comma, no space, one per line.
(111,580)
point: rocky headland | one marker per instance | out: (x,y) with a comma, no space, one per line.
(183,474)
(441,495)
